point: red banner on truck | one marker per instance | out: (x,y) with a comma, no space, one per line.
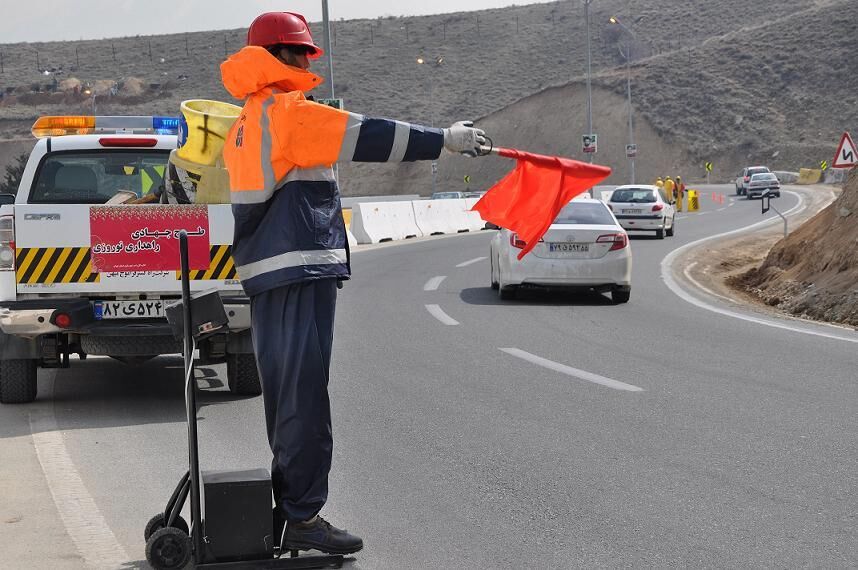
(146,238)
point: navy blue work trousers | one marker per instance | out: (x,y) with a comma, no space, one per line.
(293,330)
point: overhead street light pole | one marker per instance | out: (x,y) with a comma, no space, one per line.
(328,49)
(330,53)
(437,61)
(589,71)
(628,56)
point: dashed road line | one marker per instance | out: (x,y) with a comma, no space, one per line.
(434,283)
(81,517)
(471,261)
(437,312)
(569,371)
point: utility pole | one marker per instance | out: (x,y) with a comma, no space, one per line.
(631,112)
(327,24)
(589,72)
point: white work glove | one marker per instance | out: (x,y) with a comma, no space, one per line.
(462,137)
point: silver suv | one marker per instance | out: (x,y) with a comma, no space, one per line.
(744,178)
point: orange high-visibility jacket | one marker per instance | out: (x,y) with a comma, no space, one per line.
(280,151)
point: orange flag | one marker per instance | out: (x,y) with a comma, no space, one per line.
(528,199)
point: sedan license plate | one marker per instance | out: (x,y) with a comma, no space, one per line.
(564,247)
(633,211)
(104,310)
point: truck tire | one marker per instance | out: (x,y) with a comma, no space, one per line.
(242,375)
(17,381)
(130,345)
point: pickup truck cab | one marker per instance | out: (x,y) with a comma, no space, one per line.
(54,302)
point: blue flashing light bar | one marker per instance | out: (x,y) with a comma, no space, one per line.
(165,125)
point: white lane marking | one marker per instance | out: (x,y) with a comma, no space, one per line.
(703,213)
(434,283)
(83,520)
(721,209)
(732,203)
(568,370)
(688,276)
(471,261)
(437,312)
(667,276)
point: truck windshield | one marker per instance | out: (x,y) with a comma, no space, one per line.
(93,177)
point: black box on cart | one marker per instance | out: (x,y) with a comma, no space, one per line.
(237,516)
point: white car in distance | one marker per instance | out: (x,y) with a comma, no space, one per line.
(644,208)
(584,249)
(760,183)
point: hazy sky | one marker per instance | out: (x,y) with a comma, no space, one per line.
(52,20)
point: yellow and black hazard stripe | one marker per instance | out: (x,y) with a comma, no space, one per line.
(221,265)
(48,265)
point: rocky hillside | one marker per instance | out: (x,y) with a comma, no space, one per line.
(725,80)
(814,272)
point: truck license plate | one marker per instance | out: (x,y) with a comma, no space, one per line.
(127,309)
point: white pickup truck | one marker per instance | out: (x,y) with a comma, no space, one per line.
(55,301)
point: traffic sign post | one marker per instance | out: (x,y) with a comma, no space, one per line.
(847,154)
(708,166)
(766,205)
(589,143)
(631,150)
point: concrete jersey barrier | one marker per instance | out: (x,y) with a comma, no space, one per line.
(809,176)
(442,216)
(375,222)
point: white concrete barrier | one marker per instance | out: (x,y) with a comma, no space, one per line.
(475,222)
(605,195)
(374,222)
(442,216)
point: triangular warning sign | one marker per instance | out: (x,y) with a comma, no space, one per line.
(847,154)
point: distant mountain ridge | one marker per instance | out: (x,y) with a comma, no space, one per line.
(726,80)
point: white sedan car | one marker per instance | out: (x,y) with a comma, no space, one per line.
(585,248)
(646,208)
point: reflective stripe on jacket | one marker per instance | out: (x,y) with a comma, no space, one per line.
(288,219)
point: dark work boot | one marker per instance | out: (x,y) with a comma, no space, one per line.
(279,524)
(319,534)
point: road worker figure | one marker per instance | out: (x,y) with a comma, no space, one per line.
(659,182)
(680,191)
(670,188)
(290,248)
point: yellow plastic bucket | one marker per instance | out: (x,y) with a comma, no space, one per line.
(203,128)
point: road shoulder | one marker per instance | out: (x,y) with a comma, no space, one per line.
(32,534)
(712,264)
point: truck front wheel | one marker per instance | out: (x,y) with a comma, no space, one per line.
(17,381)
(242,375)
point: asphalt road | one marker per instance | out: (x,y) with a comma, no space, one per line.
(503,441)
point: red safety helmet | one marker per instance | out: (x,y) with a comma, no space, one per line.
(286,28)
